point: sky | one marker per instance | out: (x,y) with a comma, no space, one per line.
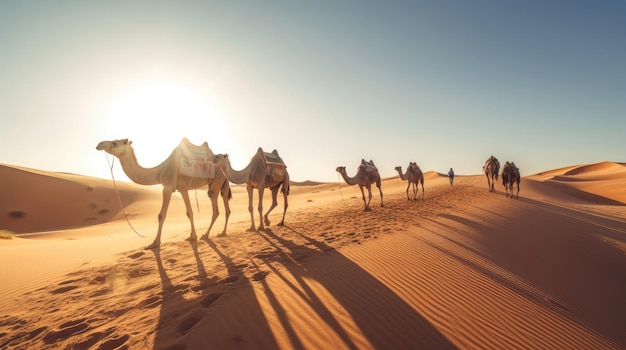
(442,83)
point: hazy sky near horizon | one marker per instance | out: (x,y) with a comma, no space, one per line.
(326,83)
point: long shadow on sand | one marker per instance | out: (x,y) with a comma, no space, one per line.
(560,251)
(384,319)
(182,320)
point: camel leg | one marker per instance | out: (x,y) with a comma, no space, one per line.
(517,195)
(167,195)
(226,194)
(250,208)
(274,204)
(407,190)
(378,184)
(364,201)
(423,192)
(216,212)
(285,195)
(261,225)
(369,195)
(185,194)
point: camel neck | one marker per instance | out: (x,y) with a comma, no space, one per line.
(238,176)
(138,174)
(350,180)
(403,176)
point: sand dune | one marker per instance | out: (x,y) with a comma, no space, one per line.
(463,268)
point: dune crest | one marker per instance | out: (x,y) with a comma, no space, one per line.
(462,268)
(604,179)
(36,200)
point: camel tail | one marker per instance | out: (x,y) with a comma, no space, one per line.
(285,188)
(229,196)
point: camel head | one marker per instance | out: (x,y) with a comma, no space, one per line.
(116,147)
(221,160)
(341,169)
(398,168)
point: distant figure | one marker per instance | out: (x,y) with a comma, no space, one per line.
(451,176)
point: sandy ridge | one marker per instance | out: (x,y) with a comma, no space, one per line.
(463,268)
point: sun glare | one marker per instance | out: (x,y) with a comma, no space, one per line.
(157,116)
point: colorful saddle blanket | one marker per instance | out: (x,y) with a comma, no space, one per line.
(195,161)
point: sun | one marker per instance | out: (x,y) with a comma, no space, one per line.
(157,115)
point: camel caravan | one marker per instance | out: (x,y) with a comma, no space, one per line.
(510,175)
(191,167)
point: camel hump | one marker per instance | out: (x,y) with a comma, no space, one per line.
(185,144)
(368,165)
(273,158)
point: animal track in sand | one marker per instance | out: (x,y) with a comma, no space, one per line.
(150,302)
(136,255)
(260,276)
(210,299)
(228,280)
(63,289)
(114,343)
(66,330)
(188,323)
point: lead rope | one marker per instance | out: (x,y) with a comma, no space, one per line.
(118,195)
(339,185)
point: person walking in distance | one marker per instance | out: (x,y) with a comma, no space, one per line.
(451,176)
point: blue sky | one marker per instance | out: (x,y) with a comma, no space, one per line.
(326,83)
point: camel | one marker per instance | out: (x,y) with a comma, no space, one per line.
(169,174)
(365,176)
(414,176)
(266,170)
(510,175)
(491,169)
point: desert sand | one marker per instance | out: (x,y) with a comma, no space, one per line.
(462,268)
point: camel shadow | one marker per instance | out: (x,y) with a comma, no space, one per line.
(185,322)
(382,317)
(561,252)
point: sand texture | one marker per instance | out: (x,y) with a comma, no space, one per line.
(462,268)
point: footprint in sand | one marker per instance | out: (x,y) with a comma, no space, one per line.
(136,255)
(115,343)
(187,324)
(63,289)
(260,276)
(228,280)
(66,330)
(210,299)
(150,302)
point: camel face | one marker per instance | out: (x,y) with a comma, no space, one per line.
(341,169)
(116,147)
(221,160)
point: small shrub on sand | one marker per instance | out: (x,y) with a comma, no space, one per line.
(5,234)
(17,214)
